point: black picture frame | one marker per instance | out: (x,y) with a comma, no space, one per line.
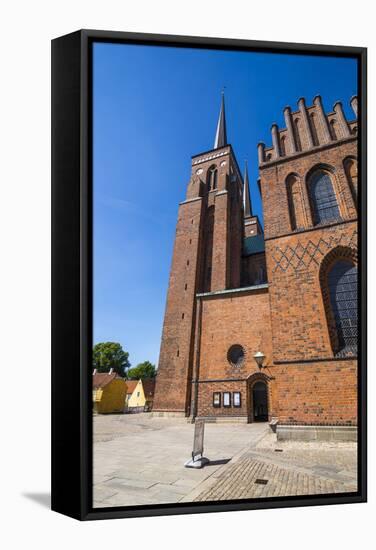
(72,274)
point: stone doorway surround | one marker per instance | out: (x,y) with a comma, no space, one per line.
(252,380)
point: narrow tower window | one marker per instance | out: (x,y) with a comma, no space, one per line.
(208,249)
(212,177)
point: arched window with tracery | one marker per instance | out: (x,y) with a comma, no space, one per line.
(342,286)
(351,171)
(212,177)
(295,202)
(322,197)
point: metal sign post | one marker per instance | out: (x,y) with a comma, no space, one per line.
(198,460)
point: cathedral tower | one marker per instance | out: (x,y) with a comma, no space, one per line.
(207,257)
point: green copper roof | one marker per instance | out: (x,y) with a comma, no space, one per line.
(253,245)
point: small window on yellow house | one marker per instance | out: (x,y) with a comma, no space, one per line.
(138,394)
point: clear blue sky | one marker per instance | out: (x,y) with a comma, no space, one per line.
(155,107)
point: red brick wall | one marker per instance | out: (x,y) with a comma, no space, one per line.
(322,391)
(205,399)
(175,360)
(239,318)
(274,186)
(317,393)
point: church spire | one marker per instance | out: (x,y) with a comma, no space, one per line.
(246,194)
(221,135)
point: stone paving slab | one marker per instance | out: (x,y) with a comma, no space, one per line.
(139,460)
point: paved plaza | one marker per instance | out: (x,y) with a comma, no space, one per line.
(139,460)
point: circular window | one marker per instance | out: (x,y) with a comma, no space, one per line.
(235,355)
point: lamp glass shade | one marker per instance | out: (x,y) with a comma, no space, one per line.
(259,358)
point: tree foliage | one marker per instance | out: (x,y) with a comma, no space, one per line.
(110,355)
(142,370)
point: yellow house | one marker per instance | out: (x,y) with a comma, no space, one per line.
(140,395)
(109,392)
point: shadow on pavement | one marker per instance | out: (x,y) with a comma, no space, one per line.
(218,462)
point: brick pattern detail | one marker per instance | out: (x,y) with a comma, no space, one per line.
(301,257)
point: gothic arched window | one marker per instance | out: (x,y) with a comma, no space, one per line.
(212,177)
(323,198)
(343,294)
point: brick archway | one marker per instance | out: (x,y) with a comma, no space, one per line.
(251,381)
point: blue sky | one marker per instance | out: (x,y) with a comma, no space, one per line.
(155,107)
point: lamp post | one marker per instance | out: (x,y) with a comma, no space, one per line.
(259,357)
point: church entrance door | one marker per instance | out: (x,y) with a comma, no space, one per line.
(260,402)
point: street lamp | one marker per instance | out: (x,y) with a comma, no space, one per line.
(259,357)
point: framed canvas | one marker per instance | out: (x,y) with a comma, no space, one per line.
(208,275)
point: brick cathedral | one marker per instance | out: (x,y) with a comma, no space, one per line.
(261,324)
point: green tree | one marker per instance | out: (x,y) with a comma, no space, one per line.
(110,355)
(142,370)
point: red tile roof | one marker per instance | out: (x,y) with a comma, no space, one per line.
(147,383)
(131,384)
(101,379)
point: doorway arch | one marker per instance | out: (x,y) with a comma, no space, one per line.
(258,398)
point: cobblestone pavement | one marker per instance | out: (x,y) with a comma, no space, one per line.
(140,460)
(275,469)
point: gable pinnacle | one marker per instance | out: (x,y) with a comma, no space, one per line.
(247,204)
(221,134)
